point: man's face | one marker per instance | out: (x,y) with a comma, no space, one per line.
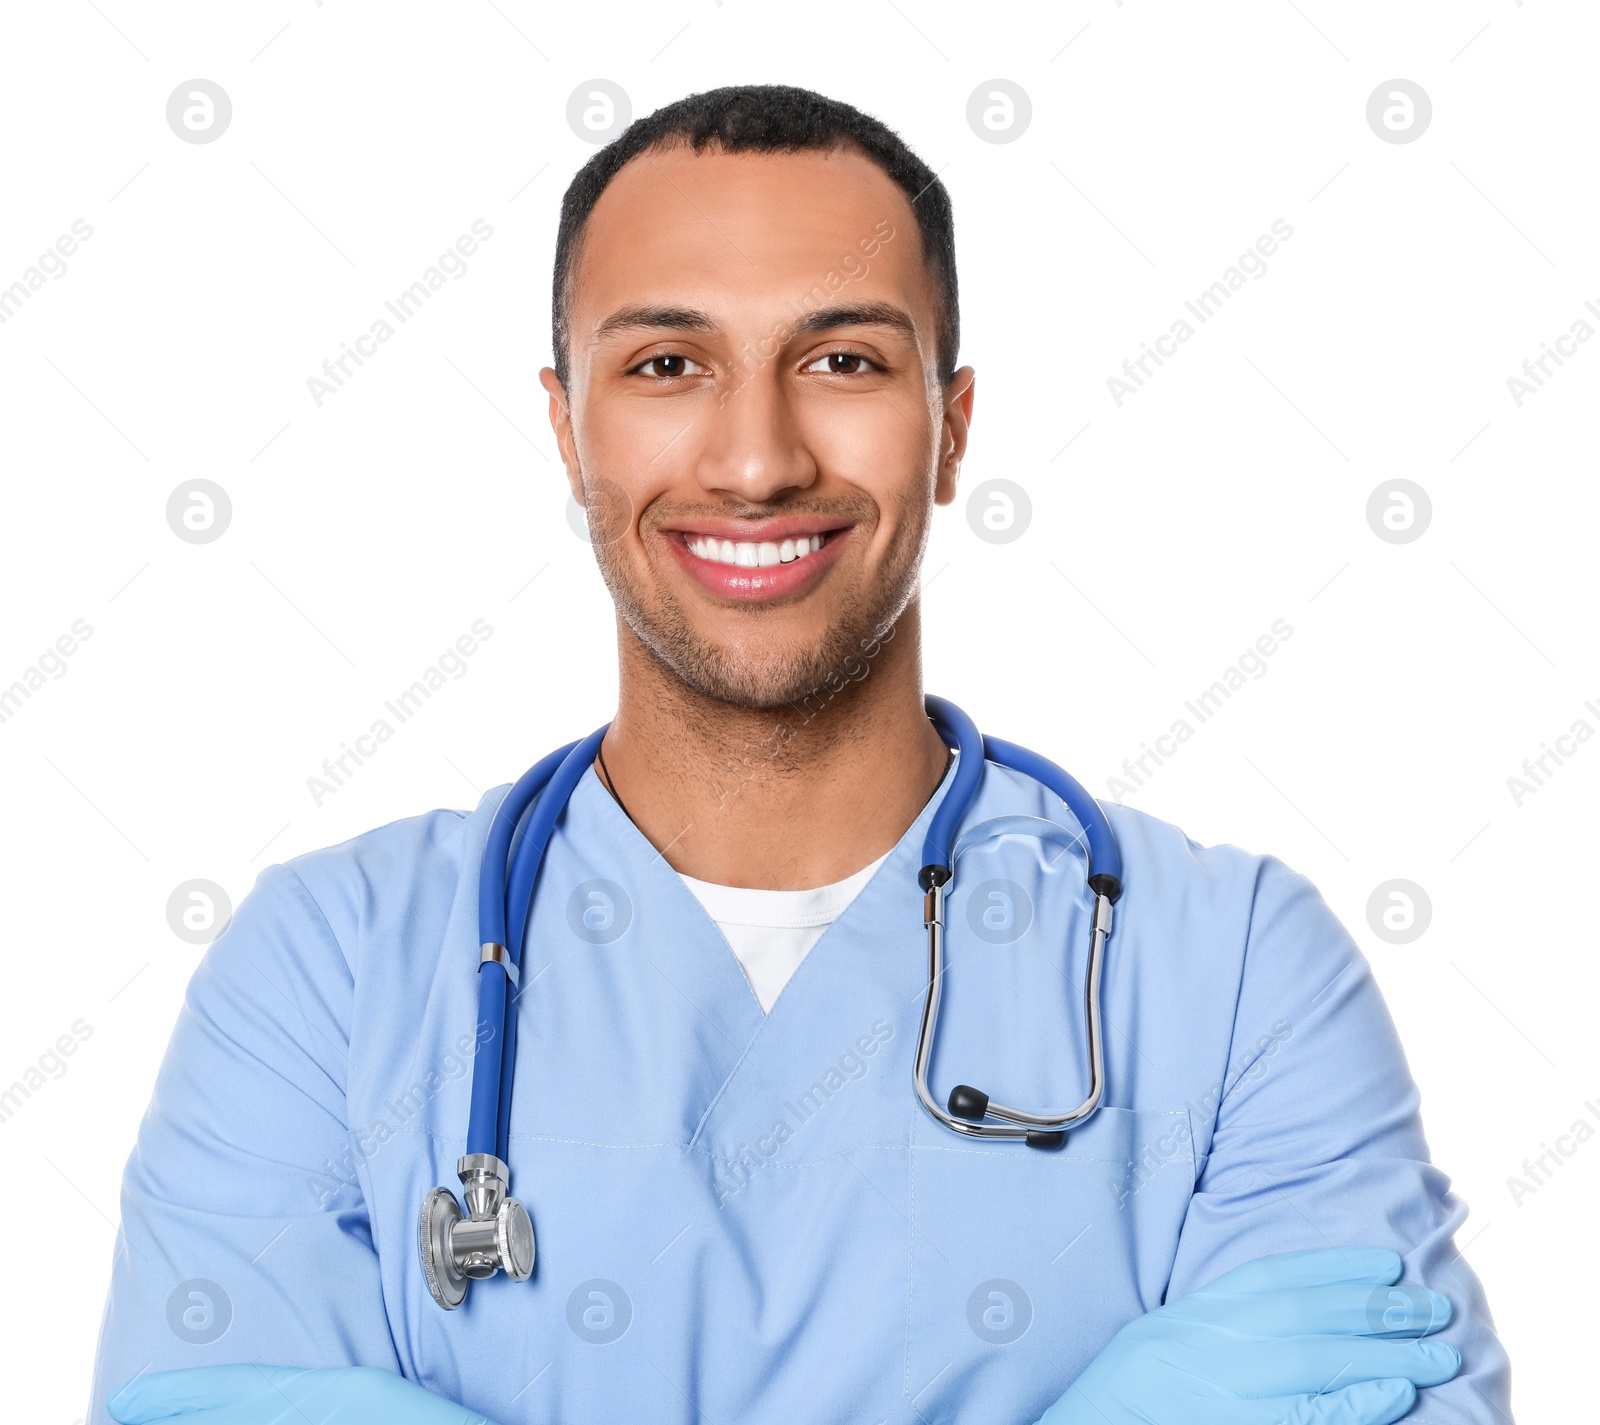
(753,415)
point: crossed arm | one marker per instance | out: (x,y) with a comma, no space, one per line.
(1315,1338)
(1327,1135)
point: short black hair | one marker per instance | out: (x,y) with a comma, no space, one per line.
(767,118)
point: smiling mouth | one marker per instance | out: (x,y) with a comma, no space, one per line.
(749,554)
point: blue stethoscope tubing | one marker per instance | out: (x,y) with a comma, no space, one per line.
(970,1111)
(506,888)
(960,732)
(500,886)
(497,1234)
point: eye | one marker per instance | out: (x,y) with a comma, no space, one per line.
(842,363)
(670,364)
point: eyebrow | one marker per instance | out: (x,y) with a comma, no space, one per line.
(691,319)
(860,314)
(646,318)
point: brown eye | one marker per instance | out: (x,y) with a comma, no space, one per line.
(666,367)
(840,363)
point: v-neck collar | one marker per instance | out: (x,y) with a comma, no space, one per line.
(805,909)
(725,975)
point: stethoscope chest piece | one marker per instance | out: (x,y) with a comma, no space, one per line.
(495,1234)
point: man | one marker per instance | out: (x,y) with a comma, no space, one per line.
(742,1211)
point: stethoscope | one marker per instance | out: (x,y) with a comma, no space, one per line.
(495,1233)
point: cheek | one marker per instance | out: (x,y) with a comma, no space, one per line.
(611,509)
(877,444)
(629,455)
(621,432)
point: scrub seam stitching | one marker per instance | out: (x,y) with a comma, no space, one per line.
(911,1255)
(1065,1155)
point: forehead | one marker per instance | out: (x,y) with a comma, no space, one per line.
(722,231)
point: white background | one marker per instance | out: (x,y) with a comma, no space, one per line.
(1167,535)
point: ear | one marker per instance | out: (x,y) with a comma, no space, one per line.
(561,424)
(958,394)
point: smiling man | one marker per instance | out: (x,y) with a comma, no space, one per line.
(746,1209)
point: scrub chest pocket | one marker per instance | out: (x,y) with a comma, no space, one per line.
(1014,1253)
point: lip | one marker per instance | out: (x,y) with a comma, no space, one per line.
(776,529)
(763,583)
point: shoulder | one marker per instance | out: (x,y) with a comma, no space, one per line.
(1159,857)
(405,846)
(1153,847)
(396,884)
(1229,915)
(1199,901)
(1226,905)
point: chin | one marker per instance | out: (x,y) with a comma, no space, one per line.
(746,662)
(766,674)
(760,681)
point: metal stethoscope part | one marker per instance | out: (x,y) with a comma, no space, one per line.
(969,1107)
(495,1235)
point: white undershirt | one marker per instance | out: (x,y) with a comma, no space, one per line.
(772,931)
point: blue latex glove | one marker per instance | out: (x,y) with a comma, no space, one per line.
(1302,1338)
(284,1395)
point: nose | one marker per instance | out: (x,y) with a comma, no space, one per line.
(755,448)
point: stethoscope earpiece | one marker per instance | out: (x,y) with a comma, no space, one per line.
(968,1102)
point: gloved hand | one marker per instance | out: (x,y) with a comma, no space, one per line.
(284,1395)
(1302,1338)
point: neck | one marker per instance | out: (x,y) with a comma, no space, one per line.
(783,798)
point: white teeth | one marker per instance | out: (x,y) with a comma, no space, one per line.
(751,555)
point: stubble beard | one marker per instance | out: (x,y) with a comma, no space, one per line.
(728,674)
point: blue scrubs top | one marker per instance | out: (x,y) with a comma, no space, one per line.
(749,1218)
